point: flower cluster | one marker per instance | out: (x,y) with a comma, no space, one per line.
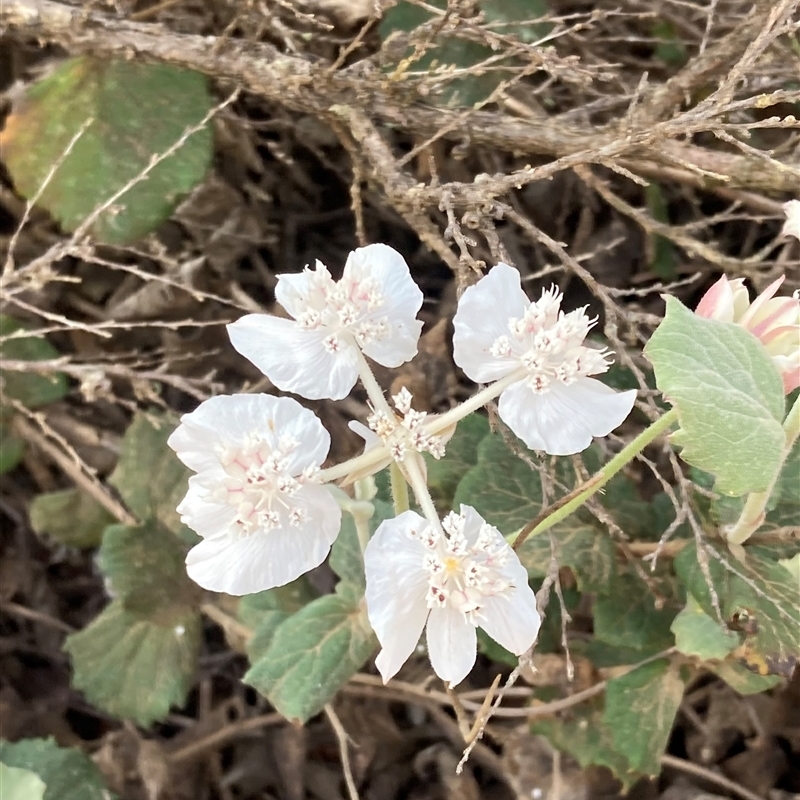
(259,499)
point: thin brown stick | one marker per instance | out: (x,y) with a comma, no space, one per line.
(35,616)
(690,768)
(344,752)
(224,735)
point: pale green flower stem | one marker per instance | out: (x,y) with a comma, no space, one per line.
(399,489)
(755,506)
(601,477)
(434,425)
(412,466)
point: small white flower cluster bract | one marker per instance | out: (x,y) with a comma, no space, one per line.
(258,498)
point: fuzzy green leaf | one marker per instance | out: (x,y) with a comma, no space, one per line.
(640,710)
(762,602)
(501,487)
(70,516)
(20,784)
(12,449)
(728,394)
(135,110)
(134,667)
(149,476)
(742,680)
(582,546)
(585,736)
(313,653)
(462,454)
(263,612)
(627,616)
(30,389)
(144,566)
(65,771)
(697,634)
(449,53)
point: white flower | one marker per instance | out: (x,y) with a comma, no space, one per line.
(554,406)
(449,582)
(373,307)
(255,500)
(792,225)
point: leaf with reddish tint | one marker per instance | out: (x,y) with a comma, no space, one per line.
(132,111)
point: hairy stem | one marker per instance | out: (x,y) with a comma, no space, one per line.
(599,479)
(399,489)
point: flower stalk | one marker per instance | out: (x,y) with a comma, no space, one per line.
(600,479)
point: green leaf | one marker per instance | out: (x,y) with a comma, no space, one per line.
(70,516)
(697,634)
(30,389)
(762,601)
(462,454)
(494,651)
(12,449)
(582,546)
(20,784)
(585,736)
(137,110)
(637,517)
(742,680)
(664,257)
(449,54)
(640,710)
(149,476)
(670,49)
(627,615)
(66,772)
(134,667)
(728,394)
(501,487)
(783,509)
(263,612)
(313,653)
(144,566)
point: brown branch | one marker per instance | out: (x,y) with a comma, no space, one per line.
(302,84)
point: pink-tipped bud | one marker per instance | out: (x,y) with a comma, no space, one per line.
(774,321)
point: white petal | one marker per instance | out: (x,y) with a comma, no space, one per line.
(452,644)
(289,418)
(512,620)
(293,289)
(482,316)
(260,561)
(206,518)
(231,419)
(402,302)
(473,522)
(564,419)
(396,590)
(294,358)
(215,421)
